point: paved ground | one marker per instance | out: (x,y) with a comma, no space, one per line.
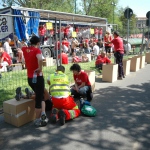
(122,122)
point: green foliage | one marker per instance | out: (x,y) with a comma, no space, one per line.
(98,8)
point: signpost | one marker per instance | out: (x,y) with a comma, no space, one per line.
(148,22)
(128,14)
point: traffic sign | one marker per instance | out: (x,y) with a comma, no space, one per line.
(148,20)
(148,14)
(128,13)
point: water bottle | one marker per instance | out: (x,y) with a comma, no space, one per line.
(34,79)
(81,102)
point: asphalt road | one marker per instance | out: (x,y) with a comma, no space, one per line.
(122,121)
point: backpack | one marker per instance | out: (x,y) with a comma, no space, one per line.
(88,111)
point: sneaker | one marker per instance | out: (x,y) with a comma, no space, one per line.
(44,120)
(28,93)
(37,123)
(62,117)
(40,123)
(18,94)
(120,78)
(54,116)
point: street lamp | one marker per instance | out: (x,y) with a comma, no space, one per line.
(112,3)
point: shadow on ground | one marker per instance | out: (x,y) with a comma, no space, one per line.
(122,123)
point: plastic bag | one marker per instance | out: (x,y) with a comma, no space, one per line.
(88,111)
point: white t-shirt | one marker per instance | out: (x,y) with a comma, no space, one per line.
(127,47)
(96,50)
(7,48)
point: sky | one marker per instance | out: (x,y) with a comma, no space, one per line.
(139,7)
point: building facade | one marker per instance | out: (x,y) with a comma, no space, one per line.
(141,22)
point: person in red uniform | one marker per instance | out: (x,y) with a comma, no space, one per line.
(64,106)
(57,48)
(100,33)
(65,45)
(5,60)
(66,31)
(107,38)
(64,57)
(76,59)
(33,61)
(102,59)
(118,53)
(96,32)
(82,84)
(42,31)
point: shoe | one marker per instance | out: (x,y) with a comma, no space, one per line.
(28,93)
(44,120)
(123,76)
(54,116)
(120,78)
(37,122)
(18,94)
(62,117)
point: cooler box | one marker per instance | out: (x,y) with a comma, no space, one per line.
(110,72)
(20,112)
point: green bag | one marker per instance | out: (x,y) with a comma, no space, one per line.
(89,111)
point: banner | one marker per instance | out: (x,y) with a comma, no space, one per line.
(92,31)
(74,34)
(49,25)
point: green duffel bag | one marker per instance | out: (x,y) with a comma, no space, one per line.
(89,111)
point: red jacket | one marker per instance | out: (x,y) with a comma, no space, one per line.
(6,57)
(102,60)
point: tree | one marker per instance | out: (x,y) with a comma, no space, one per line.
(99,8)
(59,5)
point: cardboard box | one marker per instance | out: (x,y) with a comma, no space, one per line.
(16,67)
(142,60)
(48,62)
(126,66)
(110,72)
(147,59)
(89,56)
(91,75)
(20,112)
(135,63)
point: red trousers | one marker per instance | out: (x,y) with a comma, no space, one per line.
(67,105)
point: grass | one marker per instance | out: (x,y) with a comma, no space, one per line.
(11,80)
